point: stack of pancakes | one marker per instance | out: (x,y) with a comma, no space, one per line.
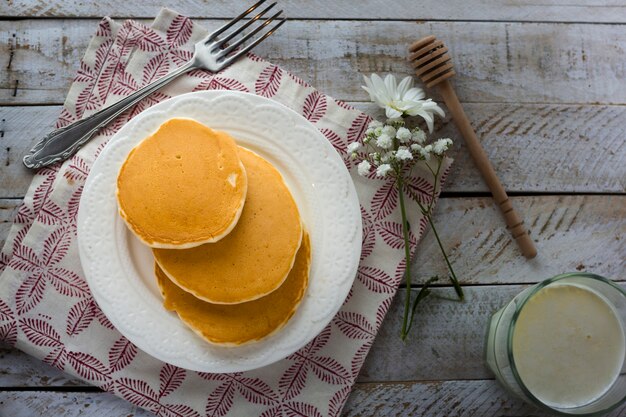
(231,256)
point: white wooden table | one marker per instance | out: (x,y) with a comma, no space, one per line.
(544,85)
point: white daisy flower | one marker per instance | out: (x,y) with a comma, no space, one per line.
(401,99)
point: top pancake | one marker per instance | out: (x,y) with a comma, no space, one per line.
(245,322)
(256,257)
(183,186)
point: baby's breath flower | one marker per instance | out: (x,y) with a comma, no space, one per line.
(403,154)
(364,168)
(387,157)
(353,147)
(369,131)
(441,145)
(418,136)
(403,135)
(384,141)
(422,151)
(374,124)
(378,131)
(383,170)
(390,131)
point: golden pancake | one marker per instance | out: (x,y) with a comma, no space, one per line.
(256,257)
(183,186)
(245,322)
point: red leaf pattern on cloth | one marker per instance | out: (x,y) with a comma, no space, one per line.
(8,325)
(80,317)
(65,118)
(354,325)
(256,391)
(300,409)
(103,320)
(77,170)
(179,31)
(46,268)
(124,84)
(383,308)
(221,83)
(314,106)
(335,404)
(220,400)
(268,83)
(293,380)
(150,40)
(421,188)
(385,200)
(137,392)
(299,81)
(368,239)
(88,367)
(157,67)
(176,410)
(337,141)
(170,378)
(40,332)
(375,279)
(344,105)
(329,370)
(30,292)
(57,357)
(121,354)
(359,357)
(392,234)
(358,127)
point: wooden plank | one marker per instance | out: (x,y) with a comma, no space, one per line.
(551,10)
(581,153)
(584,233)
(450,398)
(446,344)
(495,61)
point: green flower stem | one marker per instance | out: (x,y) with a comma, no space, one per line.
(453,278)
(407,255)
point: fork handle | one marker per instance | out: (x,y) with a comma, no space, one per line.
(62,143)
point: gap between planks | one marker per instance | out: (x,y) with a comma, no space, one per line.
(535,149)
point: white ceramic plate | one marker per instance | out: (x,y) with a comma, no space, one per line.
(119,269)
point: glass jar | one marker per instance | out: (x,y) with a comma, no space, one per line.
(555,321)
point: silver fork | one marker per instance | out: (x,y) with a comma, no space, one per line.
(211,53)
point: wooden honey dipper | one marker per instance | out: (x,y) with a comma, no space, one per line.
(430,58)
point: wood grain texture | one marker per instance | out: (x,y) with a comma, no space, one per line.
(572,233)
(446,344)
(552,10)
(495,61)
(450,398)
(534,148)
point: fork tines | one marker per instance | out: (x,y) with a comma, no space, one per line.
(225,48)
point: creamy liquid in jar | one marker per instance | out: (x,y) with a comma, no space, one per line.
(568,345)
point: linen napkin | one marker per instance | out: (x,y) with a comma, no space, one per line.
(46,308)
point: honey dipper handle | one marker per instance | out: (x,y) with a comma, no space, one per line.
(513,220)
